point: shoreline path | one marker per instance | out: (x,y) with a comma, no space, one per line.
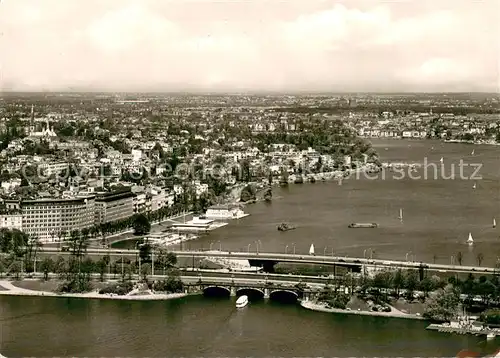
(12,290)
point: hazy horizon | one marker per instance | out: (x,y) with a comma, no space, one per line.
(201,46)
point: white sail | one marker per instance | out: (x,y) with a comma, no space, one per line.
(311,250)
(474,186)
(401,214)
(472,152)
(494,223)
(441,160)
(470,240)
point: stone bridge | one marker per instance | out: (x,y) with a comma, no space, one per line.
(257,291)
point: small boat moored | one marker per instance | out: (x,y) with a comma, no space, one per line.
(242,301)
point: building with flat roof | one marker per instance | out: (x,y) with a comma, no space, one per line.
(48,218)
(114,206)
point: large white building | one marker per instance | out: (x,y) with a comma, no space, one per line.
(47,219)
(224,212)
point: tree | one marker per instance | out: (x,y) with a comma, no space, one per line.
(426,285)
(459,258)
(145,271)
(444,305)
(399,281)
(141,224)
(479,258)
(46,266)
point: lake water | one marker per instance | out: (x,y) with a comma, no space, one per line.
(438,213)
(438,216)
(204,327)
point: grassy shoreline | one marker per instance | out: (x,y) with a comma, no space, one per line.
(321,308)
(10,289)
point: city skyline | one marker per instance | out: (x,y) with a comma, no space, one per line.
(318,46)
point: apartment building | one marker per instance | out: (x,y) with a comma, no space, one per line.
(48,218)
(114,206)
(11,221)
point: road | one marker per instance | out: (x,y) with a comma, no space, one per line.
(298,259)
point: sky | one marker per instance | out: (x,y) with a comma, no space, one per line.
(250,45)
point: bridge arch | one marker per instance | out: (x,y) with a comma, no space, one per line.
(284,296)
(216,291)
(250,292)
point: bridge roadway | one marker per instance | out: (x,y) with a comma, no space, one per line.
(211,276)
(300,259)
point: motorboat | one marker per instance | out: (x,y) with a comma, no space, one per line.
(490,336)
(285,227)
(242,301)
(363,226)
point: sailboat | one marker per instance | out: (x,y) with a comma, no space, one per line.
(470,240)
(494,223)
(401,215)
(441,160)
(474,186)
(472,153)
(311,250)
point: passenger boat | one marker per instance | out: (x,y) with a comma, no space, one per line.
(242,301)
(363,225)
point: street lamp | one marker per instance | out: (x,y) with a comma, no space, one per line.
(220,245)
(407,255)
(248,247)
(324,251)
(293,244)
(257,245)
(260,243)
(452,260)
(286,249)
(332,252)
(211,246)
(364,254)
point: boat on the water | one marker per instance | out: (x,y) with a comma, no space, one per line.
(401,215)
(285,227)
(491,336)
(311,250)
(242,301)
(299,179)
(474,186)
(470,240)
(494,223)
(363,225)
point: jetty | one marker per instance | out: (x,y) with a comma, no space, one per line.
(455,327)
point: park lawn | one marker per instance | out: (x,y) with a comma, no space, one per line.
(356,303)
(38,285)
(408,307)
(51,285)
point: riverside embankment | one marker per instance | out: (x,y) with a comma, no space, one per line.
(393,314)
(9,289)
